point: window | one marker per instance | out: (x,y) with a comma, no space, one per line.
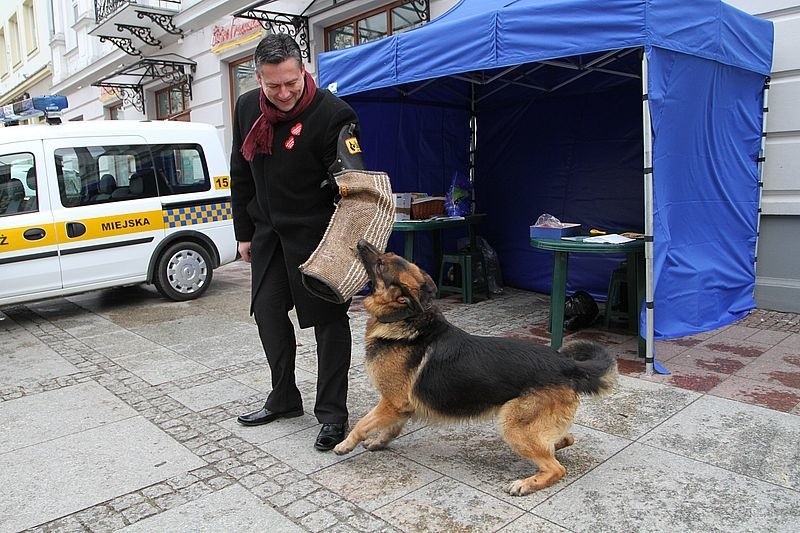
(243,77)
(71,36)
(396,17)
(100,174)
(18,184)
(29,20)
(181,168)
(3,58)
(115,112)
(173,103)
(13,36)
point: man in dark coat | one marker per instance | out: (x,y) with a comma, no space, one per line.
(284,140)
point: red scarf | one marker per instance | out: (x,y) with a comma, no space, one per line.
(259,138)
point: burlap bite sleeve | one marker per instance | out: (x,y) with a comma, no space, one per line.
(365,210)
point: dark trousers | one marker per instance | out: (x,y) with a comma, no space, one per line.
(271,307)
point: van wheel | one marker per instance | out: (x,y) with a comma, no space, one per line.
(183,271)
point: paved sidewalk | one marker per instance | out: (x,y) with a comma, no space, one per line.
(117,412)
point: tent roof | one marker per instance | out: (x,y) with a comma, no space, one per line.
(490,34)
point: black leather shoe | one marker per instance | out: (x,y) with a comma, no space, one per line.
(265,416)
(329,436)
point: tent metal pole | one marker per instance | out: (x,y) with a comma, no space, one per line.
(647,136)
(473,141)
(761,159)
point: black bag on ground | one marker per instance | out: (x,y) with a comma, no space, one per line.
(580,311)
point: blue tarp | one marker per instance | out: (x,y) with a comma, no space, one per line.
(549,141)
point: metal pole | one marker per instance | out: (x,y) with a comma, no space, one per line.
(648,219)
(473,142)
(761,159)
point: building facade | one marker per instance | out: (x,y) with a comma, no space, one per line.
(778,267)
(190,59)
(25,56)
(182,59)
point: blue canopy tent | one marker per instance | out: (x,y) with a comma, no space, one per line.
(541,101)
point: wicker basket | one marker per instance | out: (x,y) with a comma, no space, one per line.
(427,207)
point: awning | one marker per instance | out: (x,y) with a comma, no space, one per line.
(289,16)
(127,83)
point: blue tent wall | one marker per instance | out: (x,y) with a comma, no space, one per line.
(578,158)
(419,146)
(705,137)
(705,190)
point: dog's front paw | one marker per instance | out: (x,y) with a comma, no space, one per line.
(343,448)
(519,488)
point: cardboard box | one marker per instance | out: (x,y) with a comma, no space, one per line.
(402,206)
(569,230)
(402,203)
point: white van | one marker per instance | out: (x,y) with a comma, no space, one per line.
(89,205)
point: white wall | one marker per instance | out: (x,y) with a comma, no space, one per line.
(34,65)
(778,267)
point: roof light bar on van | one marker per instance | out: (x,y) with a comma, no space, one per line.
(49,106)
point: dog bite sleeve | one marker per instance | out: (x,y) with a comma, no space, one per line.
(365,210)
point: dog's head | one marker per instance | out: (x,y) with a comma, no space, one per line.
(400,289)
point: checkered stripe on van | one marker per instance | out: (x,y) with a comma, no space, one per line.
(197,214)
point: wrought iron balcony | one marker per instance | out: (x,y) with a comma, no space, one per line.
(132,24)
(105,8)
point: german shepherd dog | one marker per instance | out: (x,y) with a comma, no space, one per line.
(426,368)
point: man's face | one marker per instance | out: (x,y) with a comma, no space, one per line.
(282,83)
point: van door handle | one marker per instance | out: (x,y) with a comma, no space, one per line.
(34,234)
(75,229)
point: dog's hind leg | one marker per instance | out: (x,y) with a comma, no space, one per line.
(535,426)
(568,440)
(384,417)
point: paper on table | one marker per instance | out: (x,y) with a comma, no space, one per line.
(612,238)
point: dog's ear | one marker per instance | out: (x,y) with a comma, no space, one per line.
(427,292)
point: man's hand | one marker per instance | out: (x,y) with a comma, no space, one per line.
(244,251)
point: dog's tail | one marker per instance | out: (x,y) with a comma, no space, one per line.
(595,371)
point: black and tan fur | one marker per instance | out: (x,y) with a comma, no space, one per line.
(426,368)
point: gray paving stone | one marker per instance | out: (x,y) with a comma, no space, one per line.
(529,523)
(647,489)
(260,379)
(447,505)
(181,331)
(634,408)
(476,455)
(34,419)
(222,351)
(232,509)
(160,366)
(320,520)
(27,359)
(212,394)
(101,518)
(118,342)
(373,479)
(272,431)
(58,477)
(747,439)
(297,450)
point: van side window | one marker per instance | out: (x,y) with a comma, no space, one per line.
(125,172)
(181,168)
(89,175)
(18,184)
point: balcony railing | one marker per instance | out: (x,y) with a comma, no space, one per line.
(104,8)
